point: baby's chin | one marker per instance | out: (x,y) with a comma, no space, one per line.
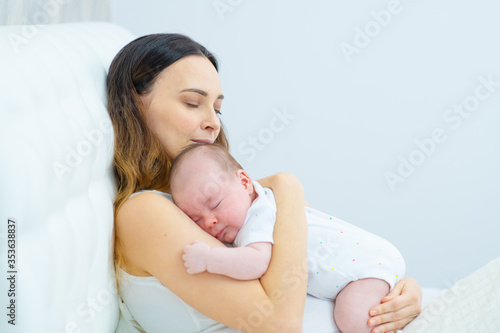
(229,237)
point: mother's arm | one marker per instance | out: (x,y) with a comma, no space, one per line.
(153,233)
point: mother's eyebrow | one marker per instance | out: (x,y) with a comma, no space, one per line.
(199,91)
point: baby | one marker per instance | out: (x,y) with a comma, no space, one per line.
(345,263)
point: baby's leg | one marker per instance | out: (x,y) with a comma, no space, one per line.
(355,301)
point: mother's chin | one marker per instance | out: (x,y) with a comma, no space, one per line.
(202,141)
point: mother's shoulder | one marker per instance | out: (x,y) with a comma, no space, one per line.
(146,202)
(163,194)
(139,225)
(145,208)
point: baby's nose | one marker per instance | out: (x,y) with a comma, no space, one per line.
(210,223)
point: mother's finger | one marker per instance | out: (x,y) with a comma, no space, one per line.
(389,327)
(405,315)
(411,300)
(391,306)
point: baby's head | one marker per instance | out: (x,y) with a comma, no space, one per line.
(210,186)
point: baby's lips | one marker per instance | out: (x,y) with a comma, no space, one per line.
(219,234)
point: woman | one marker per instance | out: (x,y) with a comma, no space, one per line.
(163,94)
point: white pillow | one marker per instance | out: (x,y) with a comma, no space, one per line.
(471,305)
(56,177)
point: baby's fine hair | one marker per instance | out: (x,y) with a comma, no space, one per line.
(213,151)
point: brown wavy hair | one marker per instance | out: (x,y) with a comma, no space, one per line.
(140,161)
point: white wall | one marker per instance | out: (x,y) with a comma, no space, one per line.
(355,114)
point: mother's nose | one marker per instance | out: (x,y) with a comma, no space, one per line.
(210,120)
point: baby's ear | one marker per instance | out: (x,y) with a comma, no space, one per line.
(245,180)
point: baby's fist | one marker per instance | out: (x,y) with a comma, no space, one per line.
(196,256)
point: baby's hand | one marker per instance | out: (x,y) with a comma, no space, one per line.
(196,256)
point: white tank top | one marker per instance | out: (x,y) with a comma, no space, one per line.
(146,305)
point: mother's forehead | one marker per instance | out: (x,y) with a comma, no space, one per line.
(197,70)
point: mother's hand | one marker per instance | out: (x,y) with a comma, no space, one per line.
(398,308)
(277,178)
(282,181)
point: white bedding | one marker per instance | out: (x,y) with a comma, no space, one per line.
(55,176)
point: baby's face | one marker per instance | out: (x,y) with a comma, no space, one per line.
(215,200)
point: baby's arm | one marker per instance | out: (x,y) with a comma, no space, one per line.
(242,263)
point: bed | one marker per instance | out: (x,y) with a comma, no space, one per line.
(57,192)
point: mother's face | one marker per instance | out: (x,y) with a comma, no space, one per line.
(184,104)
